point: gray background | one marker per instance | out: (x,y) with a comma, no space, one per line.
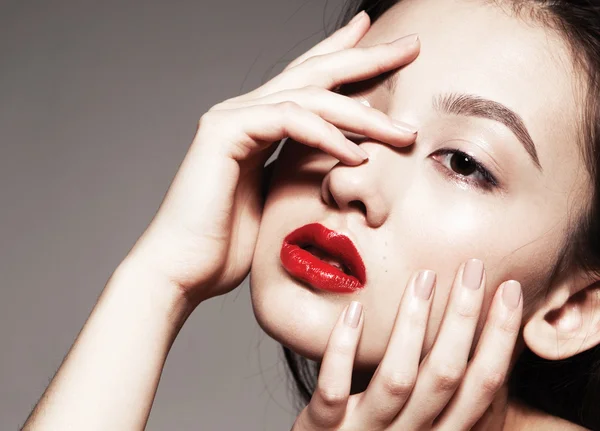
(98,105)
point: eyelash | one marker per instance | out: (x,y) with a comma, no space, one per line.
(487,183)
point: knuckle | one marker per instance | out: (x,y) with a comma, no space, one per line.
(313,60)
(331,396)
(322,65)
(398,384)
(287,107)
(207,119)
(492,381)
(509,326)
(447,377)
(313,90)
(467,310)
(332,131)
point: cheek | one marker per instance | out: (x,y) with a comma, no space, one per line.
(429,232)
(435,228)
(440,233)
(419,237)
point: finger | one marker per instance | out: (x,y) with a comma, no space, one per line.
(349,65)
(250,129)
(442,370)
(327,406)
(395,376)
(344,38)
(343,112)
(488,369)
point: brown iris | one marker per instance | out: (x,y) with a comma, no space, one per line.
(462,164)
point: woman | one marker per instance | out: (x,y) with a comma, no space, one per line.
(410,165)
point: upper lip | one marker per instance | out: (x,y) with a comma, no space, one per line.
(331,242)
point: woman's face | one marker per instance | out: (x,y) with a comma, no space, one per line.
(421,208)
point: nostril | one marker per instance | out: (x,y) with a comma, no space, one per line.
(328,196)
(359,205)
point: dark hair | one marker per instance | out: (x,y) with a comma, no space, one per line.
(568,388)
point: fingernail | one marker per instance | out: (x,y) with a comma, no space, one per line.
(511,294)
(407,40)
(353,314)
(424,284)
(472,274)
(404,127)
(357,17)
(359,151)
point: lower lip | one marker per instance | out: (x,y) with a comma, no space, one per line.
(306,267)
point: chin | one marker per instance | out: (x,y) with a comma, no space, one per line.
(292,315)
(299,317)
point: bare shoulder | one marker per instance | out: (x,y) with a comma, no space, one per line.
(558,424)
(530,419)
(546,422)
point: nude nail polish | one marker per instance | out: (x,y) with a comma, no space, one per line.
(511,294)
(472,274)
(353,314)
(424,284)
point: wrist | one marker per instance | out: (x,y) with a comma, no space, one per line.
(141,279)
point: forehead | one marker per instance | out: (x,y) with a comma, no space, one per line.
(468,46)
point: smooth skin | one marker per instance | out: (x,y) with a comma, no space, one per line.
(406,395)
(200,245)
(415,208)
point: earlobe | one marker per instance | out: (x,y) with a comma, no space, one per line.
(567,322)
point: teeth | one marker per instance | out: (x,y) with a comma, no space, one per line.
(336,265)
(327,259)
(333,263)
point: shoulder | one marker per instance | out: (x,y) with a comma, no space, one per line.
(530,419)
(545,422)
(554,423)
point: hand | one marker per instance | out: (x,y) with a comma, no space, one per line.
(444,391)
(204,234)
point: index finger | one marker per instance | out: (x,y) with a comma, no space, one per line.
(349,65)
(343,38)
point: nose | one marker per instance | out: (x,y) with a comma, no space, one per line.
(357,189)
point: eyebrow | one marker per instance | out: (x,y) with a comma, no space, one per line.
(476,106)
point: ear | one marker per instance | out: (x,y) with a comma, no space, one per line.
(567,321)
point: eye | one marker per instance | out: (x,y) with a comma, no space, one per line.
(463,167)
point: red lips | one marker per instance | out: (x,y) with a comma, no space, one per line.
(330,246)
